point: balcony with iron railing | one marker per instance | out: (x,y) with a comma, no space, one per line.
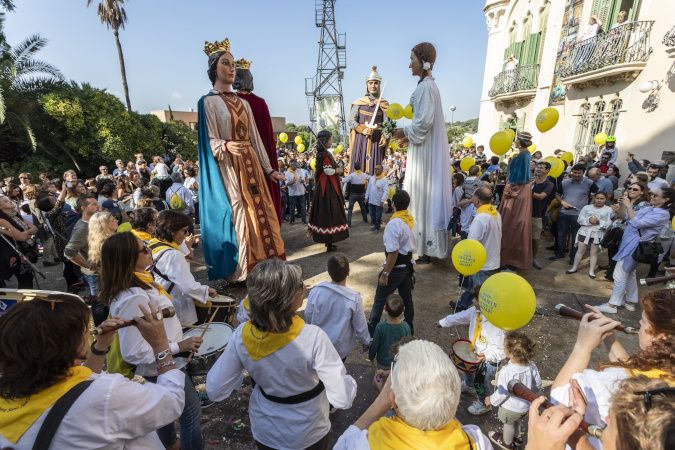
(669,42)
(516,85)
(618,54)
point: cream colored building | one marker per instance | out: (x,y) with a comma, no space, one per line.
(595,84)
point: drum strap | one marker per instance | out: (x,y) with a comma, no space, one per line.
(157,271)
(295,399)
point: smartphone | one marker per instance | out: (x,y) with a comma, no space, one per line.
(618,193)
(69,184)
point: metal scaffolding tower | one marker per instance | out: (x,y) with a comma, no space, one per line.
(327,83)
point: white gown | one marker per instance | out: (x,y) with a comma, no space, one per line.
(428,178)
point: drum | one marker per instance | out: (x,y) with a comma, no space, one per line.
(226,313)
(464,359)
(216,339)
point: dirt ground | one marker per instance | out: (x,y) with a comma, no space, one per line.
(226,424)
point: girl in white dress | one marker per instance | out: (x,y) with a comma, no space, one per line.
(594,219)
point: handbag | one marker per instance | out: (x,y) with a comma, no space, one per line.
(612,239)
(647,252)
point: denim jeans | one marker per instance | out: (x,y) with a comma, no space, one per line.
(92,281)
(473,280)
(360,199)
(284,204)
(491,369)
(190,420)
(375,215)
(298,200)
(401,279)
(567,224)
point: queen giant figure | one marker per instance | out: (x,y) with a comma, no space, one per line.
(239,223)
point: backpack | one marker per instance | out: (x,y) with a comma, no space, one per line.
(176,203)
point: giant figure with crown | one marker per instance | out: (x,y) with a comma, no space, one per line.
(239,222)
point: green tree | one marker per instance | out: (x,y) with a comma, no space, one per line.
(455,134)
(113,15)
(291,127)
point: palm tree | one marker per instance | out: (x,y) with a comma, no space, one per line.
(112,14)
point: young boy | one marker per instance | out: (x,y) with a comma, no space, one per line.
(388,333)
(337,309)
(487,342)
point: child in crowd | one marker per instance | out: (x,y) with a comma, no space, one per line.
(594,219)
(487,342)
(337,309)
(520,350)
(388,333)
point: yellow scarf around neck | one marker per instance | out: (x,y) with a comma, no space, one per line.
(246,304)
(295,177)
(393,433)
(404,216)
(477,330)
(142,235)
(263,343)
(154,241)
(380,177)
(17,416)
(655,374)
(357,172)
(146,278)
(487,209)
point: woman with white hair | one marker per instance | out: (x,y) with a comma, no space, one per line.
(423,389)
(296,369)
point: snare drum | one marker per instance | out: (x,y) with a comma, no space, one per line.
(464,359)
(216,339)
(226,313)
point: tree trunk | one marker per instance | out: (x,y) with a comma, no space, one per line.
(124,72)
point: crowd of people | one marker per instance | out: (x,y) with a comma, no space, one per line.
(129,236)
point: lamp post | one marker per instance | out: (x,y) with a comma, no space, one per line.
(452,117)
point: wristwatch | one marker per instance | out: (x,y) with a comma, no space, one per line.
(386,274)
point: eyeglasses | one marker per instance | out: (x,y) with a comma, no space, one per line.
(145,249)
(648,395)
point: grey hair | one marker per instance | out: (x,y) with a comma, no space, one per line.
(426,385)
(177,177)
(272,286)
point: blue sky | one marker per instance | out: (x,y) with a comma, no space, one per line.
(163,47)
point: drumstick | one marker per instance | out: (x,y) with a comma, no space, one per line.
(519,390)
(201,327)
(573,313)
(166,313)
(199,264)
(192,353)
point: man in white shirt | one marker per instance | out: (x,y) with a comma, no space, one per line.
(295,180)
(511,62)
(357,192)
(376,195)
(655,182)
(592,29)
(400,241)
(486,228)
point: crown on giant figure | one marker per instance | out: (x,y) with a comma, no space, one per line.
(223,46)
(241,63)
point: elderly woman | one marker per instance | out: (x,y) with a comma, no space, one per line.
(643,226)
(655,358)
(295,366)
(423,389)
(125,286)
(21,232)
(118,413)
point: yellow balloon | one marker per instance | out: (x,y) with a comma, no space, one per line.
(558,170)
(532,148)
(511,133)
(500,142)
(297,140)
(568,157)
(393,146)
(466,163)
(395,111)
(392,191)
(468,256)
(338,149)
(312,164)
(126,226)
(600,138)
(547,119)
(283,137)
(507,300)
(408,112)
(467,141)
(673,222)
(301,148)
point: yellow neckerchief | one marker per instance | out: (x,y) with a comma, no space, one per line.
(393,433)
(146,278)
(263,343)
(357,172)
(247,306)
(295,177)
(154,241)
(380,177)
(655,374)
(17,416)
(404,216)
(477,330)
(142,235)
(487,209)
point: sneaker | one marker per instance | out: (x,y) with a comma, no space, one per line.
(607,308)
(204,400)
(332,410)
(630,306)
(498,438)
(536,264)
(478,408)
(467,388)
(555,258)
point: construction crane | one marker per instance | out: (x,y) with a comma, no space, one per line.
(324,90)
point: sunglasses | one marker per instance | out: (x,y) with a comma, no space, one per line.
(648,395)
(634,189)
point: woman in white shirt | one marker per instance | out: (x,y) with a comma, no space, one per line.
(594,219)
(296,369)
(125,286)
(191,183)
(37,368)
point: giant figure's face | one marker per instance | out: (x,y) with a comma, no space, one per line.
(373,87)
(225,71)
